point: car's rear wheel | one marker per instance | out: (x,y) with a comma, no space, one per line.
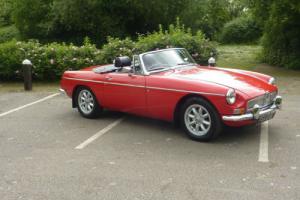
(200,120)
(87,103)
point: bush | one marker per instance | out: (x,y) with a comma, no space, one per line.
(8,33)
(116,47)
(51,60)
(240,30)
(177,36)
(10,60)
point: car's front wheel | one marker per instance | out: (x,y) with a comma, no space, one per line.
(87,103)
(200,120)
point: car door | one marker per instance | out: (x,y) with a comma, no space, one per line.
(125,91)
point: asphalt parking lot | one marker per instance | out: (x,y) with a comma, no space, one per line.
(48,151)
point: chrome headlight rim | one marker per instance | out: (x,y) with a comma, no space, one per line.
(272,81)
(231,96)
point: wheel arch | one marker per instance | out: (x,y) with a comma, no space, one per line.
(74,92)
(176,114)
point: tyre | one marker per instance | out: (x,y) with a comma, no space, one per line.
(200,120)
(87,103)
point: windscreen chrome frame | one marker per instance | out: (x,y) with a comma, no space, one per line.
(146,72)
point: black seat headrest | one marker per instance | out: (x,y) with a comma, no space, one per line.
(122,61)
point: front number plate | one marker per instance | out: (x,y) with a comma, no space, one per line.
(266,117)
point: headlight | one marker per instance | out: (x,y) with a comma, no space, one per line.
(272,81)
(231,96)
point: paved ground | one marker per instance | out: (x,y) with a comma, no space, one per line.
(140,158)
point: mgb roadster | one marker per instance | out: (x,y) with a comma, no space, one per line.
(169,85)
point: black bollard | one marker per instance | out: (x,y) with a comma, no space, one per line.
(27,74)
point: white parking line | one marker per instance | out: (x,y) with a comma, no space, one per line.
(99,134)
(264,143)
(30,104)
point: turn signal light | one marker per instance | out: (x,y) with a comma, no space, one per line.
(239,111)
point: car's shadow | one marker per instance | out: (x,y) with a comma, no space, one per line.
(228,135)
(238,134)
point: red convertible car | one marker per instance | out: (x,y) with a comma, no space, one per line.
(168,85)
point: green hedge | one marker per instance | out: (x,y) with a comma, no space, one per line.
(10,59)
(240,30)
(51,60)
(177,36)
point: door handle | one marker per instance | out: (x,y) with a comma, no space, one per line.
(108,78)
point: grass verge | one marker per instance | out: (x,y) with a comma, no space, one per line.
(246,57)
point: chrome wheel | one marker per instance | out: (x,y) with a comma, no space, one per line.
(197,119)
(86,101)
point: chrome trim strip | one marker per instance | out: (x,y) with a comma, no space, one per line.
(124,84)
(140,86)
(188,91)
(104,82)
(84,80)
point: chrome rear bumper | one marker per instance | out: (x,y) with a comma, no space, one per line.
(257,113)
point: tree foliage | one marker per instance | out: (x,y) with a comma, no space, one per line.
(281,41)
(32,18)
(241,30)
(208,16)
(8,33)
(72,20)
(6,7)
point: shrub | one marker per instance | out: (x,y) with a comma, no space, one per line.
(177,36)
(8,33)
(10,60)
(240,30)
(50,61)
(116,47)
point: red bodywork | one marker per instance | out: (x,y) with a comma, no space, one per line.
(158,95)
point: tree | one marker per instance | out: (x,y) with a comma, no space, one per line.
(261,10)
(72,20)
(32,18)
(281,24)
(6,7)
(281,41)
(206,15)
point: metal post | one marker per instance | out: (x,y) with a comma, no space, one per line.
(212,60)
(27,74)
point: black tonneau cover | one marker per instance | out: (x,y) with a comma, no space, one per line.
(105,69)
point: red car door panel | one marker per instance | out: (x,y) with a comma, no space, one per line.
(124,92)
(161,102)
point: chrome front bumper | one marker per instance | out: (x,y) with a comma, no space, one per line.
(62,91)
(257,113)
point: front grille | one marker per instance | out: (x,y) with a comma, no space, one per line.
(263,100)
